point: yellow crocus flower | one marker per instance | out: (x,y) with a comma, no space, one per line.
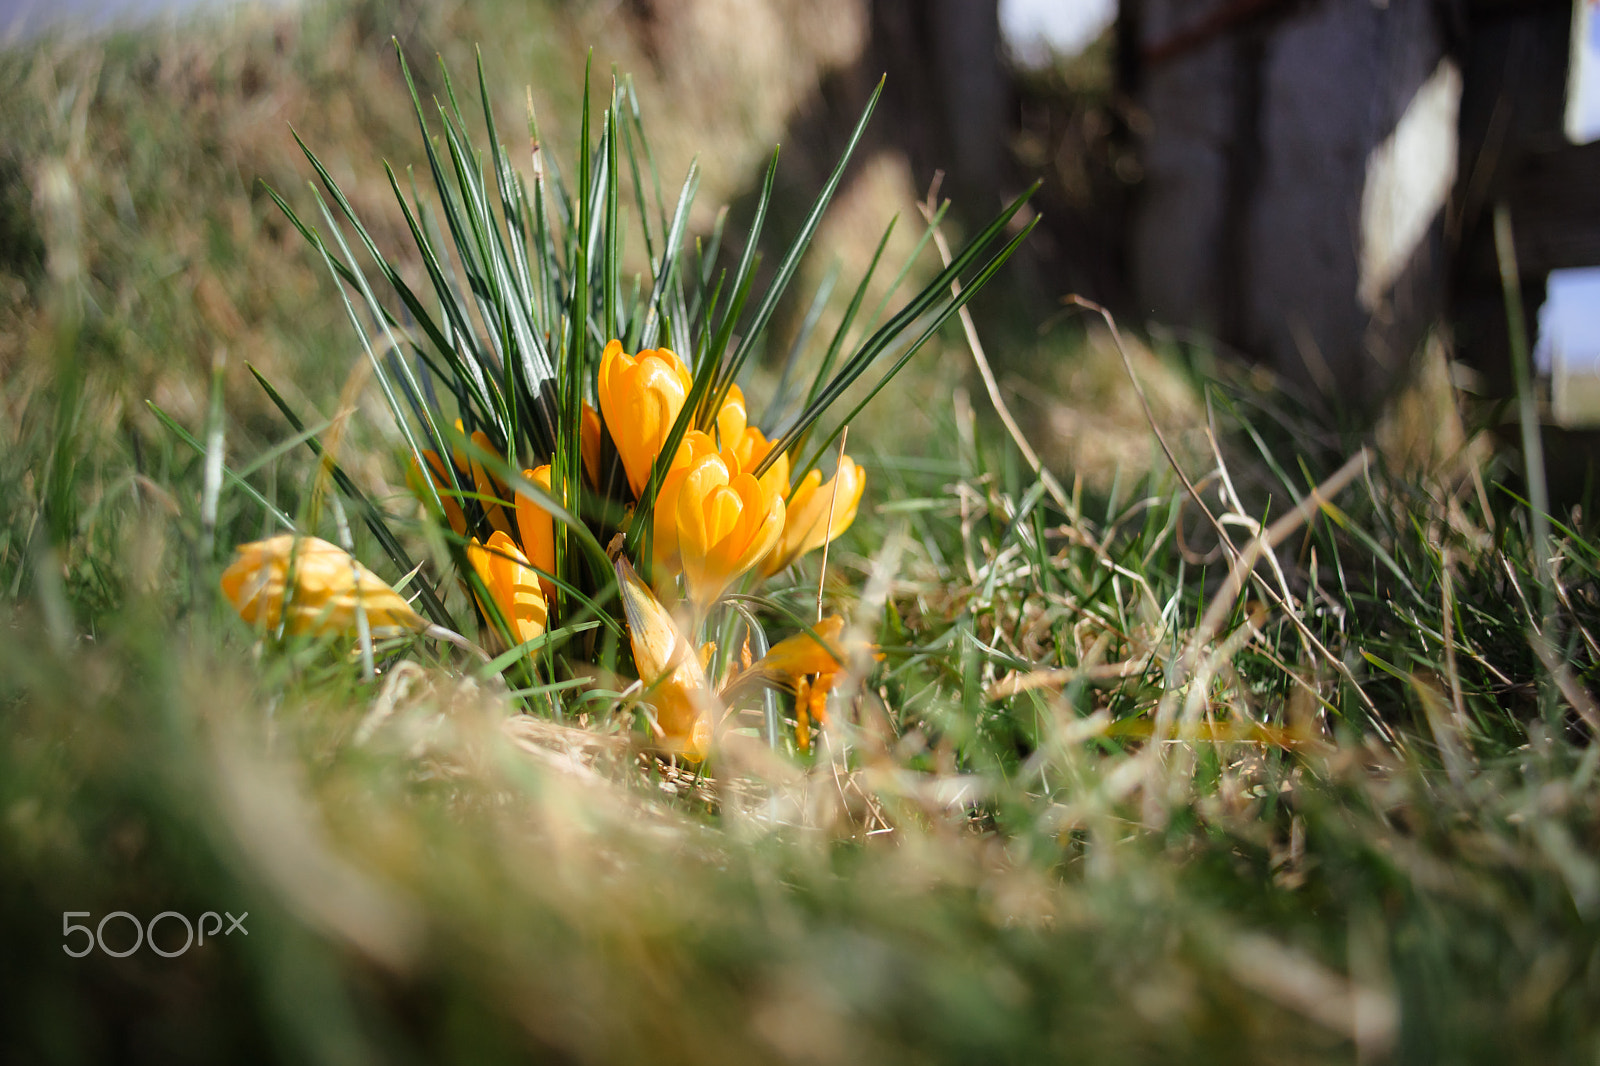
(664,539)
(496,498)
(807,664)
(538,529)
(589,444)
(807,526)
(330,588)
(750,448)
(673,675)
(741,455)
(640,398)
(803,654)
(727,522)
(511,584)
(445,488)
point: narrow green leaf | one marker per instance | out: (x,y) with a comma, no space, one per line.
(936,292)
(819,302)
(370,513)
(791,259)
(200,449)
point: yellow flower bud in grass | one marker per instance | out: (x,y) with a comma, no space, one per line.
(443,486)
(589,444)
(807,526)
(727,523)
(672,674)
(329,588)
(640,399)
(492,488)
(513,587)
(537,529)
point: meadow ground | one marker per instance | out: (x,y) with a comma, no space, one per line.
(1279,751)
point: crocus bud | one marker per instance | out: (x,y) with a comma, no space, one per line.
(537,529)
(641,399)
(313,588)
(671,672)
(512,586)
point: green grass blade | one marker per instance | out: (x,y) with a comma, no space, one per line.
(791,259)
(610,255)
(743,277)
(808,325)
(932,295)
(905,267)
(667,268)
(248,489)
(370,514)
(834,346)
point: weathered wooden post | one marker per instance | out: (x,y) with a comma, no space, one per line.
(1298,160)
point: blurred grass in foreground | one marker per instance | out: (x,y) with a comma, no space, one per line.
(965,875)
(988,862)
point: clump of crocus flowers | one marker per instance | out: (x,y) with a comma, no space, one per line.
(724,514)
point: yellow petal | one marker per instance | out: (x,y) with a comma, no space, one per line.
(806,526)
(695,445)
(613,363)
(658,646)
(802,654)
(589,442)
(651,405)
(670,358)
(537,529)
(731,418)
(664,522)
(445,489)
(765,513)
(640,400)
(668,667)
(723,508)
(330,589)
(701,478)
(809,663)
(490,486)
(457,456)
(731,529)
(513,587)
(749,450)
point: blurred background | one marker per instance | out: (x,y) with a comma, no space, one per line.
(1308,187)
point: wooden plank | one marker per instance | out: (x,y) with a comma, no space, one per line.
(1555,208)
